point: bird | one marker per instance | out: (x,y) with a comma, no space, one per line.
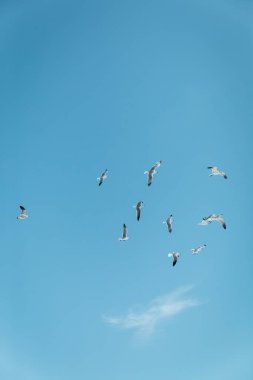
(138,208)
(23,214)
(175,256)
(124,234)
(216,171)
(103,177)
(152,171)
(198,249)
(169,222)
(212,218)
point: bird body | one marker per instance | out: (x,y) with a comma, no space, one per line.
(103,177)
(23,214)
(216,171)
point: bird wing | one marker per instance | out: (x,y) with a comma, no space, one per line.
(102,177)
(23,210)
(138,212)
(175,257)
(169,224)
(150,177)
(222,222)
(124,231)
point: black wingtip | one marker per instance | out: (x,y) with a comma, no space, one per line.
(224,226)
(225,176)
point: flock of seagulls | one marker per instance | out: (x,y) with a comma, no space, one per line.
(169,221)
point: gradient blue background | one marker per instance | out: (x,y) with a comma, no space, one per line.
(89,85)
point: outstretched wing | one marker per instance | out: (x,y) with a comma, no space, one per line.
(138,213)
(124,231)
(150,177)
(23,210)
(169,223)
(102,177)
(175,257)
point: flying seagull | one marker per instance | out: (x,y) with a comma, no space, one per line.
(198,249)
(175,256)
(169,222)
(216,171)
(103,177)
(124,234)
(138,208)
(23,214)
(212,218)
(152,171)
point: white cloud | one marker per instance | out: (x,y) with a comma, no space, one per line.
(159,309)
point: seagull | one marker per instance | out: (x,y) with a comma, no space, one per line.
(198,249)
(211,218)
(124,234)
(23,214)
(152,171)
(169,222)
(216,171)
(103,177)
(175,256)
(138,209)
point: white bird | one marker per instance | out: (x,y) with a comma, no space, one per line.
(198,249)
(152,171)
(138,208)
(23,214)
(169,222)
(124,234)
(175,256)
(216,171)
(212,218)
(103,177)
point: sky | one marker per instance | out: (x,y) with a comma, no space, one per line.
(118,85)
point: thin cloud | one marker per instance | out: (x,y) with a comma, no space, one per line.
(160,309)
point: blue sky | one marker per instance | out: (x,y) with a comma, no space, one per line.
(87,86)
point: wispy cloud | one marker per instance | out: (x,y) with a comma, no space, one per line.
(160,309)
